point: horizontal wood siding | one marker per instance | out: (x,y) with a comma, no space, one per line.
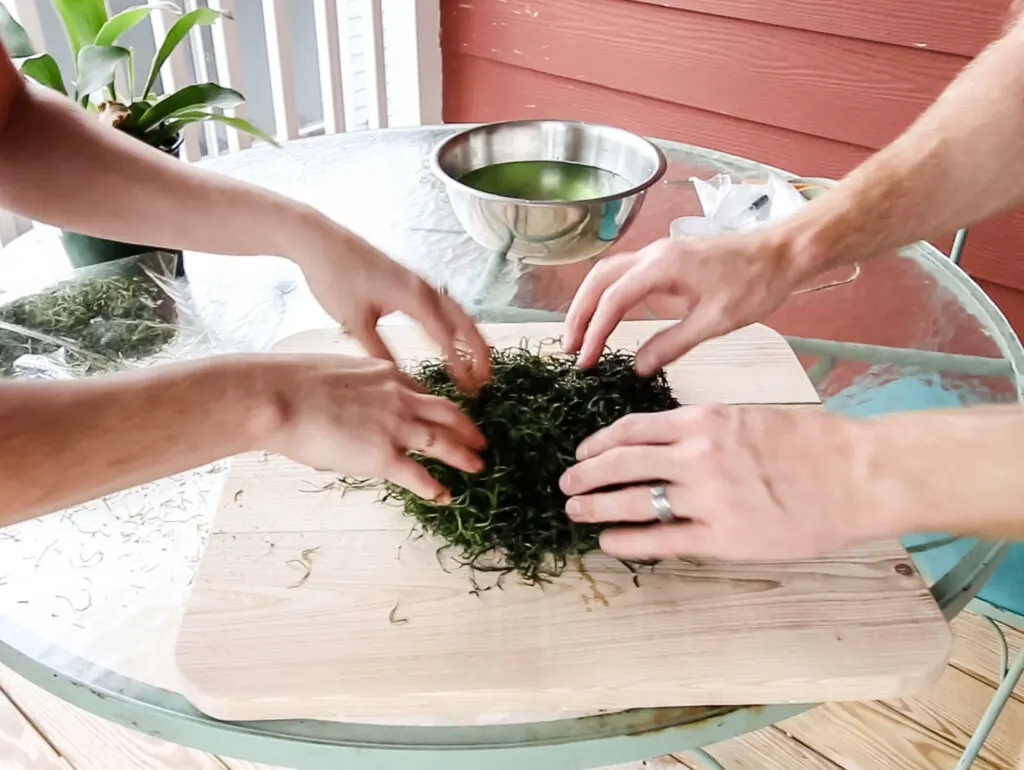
(808,86)
(471,95)
(952,26)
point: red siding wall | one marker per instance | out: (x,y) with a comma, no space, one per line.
(813,86)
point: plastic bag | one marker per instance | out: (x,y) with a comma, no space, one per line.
(122,314)
(739,202)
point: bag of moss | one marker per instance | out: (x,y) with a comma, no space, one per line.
(97,319)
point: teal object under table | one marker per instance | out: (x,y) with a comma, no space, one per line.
(90,596)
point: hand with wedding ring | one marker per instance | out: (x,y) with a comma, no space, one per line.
(729,482)
(360,416)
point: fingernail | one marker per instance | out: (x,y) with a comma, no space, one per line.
(582,452)
(565,482)
(444,498)
(572,507)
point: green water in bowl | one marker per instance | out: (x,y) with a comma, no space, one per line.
(546,180)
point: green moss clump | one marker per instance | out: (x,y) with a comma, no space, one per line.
(536,410)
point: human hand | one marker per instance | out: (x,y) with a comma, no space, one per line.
(752,483)
(714,285)
(358,285)
(359,417)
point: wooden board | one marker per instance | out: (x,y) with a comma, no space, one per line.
(259,643)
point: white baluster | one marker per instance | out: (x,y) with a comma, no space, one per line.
(227,53)
(376,73)
(9,229)
(175,74)
(279,57)
(26,13)
(414,62)
(328,48)
(195,39)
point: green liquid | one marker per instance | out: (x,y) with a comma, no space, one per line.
(545,180)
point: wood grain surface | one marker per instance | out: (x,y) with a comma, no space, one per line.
(377,630)
(471,96)
(950,26)
(849,90)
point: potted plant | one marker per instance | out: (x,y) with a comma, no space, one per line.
(158,121)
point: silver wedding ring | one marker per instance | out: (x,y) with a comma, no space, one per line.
(662,507)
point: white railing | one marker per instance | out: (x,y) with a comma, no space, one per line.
(376,64)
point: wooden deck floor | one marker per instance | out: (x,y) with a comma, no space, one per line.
(39,732)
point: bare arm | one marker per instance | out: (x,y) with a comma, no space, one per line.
(65,443)
(941,470)
(61,166)
(961,162)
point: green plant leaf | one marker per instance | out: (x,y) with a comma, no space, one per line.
(83,19)
(187,99)
(124,21)
(175,35)
(13,36)
(44,70)
(183,119)
(96,67)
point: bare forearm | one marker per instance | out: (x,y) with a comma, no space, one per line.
(954,471)
(961,162)
(69,442)
(60,166)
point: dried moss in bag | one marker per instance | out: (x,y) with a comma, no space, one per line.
(99,319)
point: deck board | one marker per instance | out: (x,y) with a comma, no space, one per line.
(925,733)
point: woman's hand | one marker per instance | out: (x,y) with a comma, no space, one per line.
(359,417)
(745,483)
(714,285)
(357,285)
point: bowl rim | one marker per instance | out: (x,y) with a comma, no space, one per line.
(444,176)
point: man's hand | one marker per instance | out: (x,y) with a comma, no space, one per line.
(746,483)
(764,483)
(714,285)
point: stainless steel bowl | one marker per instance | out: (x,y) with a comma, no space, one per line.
(548,231)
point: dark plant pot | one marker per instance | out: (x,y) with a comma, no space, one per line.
(85,250)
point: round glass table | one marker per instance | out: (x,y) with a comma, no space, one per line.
(91,597)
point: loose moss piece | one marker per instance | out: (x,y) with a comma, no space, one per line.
(536,410)
(101,321)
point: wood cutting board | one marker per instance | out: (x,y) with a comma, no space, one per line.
(379,632)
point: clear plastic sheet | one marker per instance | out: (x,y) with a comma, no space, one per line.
(94,320)
(738,202)
(741,202)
